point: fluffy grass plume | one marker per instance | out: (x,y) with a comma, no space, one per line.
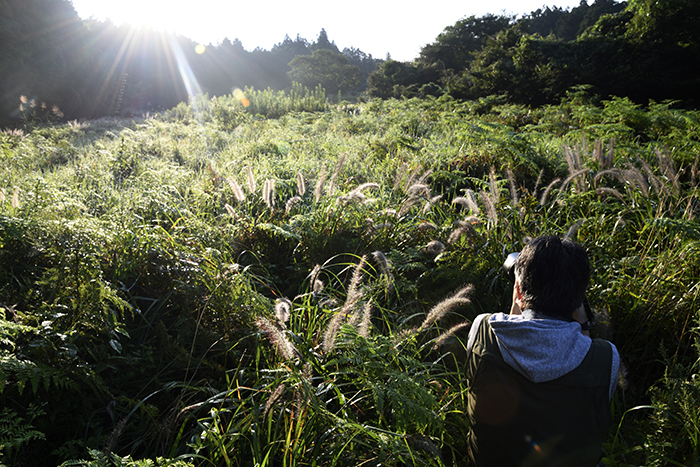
(385,268)
(301,185)
(236,188)
(450,332)
(15,198)
(291,202)
(336,172)
(318,191)
(549,188)
(269,193)
(283,310)
(277,337)
(353,297)
(252,186)
(459,298)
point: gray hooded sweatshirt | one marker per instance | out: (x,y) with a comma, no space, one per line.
(539,347)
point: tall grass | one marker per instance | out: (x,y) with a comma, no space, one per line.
(283,283)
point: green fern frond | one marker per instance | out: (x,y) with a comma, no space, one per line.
(25,371)
(15,431)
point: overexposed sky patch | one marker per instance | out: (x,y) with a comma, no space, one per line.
(376,27)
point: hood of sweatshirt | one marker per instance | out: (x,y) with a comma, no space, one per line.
(539,348)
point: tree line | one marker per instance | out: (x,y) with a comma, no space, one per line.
(54,65)
(641,49)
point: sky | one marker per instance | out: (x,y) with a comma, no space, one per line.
(375,27)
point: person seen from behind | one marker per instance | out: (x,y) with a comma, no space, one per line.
(539,386)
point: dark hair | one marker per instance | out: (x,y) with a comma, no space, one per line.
(553,276)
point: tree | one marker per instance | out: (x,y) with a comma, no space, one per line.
(322,43)
(329,69)
(456,44)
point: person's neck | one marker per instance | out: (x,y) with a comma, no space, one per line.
(532,314)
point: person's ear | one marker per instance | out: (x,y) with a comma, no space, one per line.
(518,293)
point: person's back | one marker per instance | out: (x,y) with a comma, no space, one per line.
(517,421)
(539,386)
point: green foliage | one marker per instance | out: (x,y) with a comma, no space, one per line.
(15,432)
(637,51)
(331,71)
(144,265)
(100,459)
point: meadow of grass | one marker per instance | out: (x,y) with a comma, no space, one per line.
(290,283)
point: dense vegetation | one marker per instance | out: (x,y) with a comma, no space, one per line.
(70,68)
(289,283)
(56,67)
(279,276)
(641,49)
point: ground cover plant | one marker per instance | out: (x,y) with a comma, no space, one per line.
(290,282)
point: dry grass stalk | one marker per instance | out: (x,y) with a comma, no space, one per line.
(449,333)
(458,233)
(277,337)
(429,204)
(409,203)
(385,268)
(2,195)
(365,320)
(400,174)
(464,292)
(494,192)
(462,201)
(539,180)
(635,178)
(357,194)
(354,292)
(573,230)
(336,172)
(603,191)
(291,202)
(545,194)
(276,394)
(411,180)
(252,186)
(269,193)
(301,186)
(424,226)
(440,310)
(114,436)
(419,189)
(669,170)
(513,189)
(615,173)
(236,188)
(15,198)
(573,161)
(575,177)
(433,248)
(426,207)
(424,177)
(489,207)
(283,310)
(659,185)
(319,184)
(331,332)
(604,158)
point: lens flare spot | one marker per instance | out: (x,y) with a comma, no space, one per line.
(200,49)
(240,96)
